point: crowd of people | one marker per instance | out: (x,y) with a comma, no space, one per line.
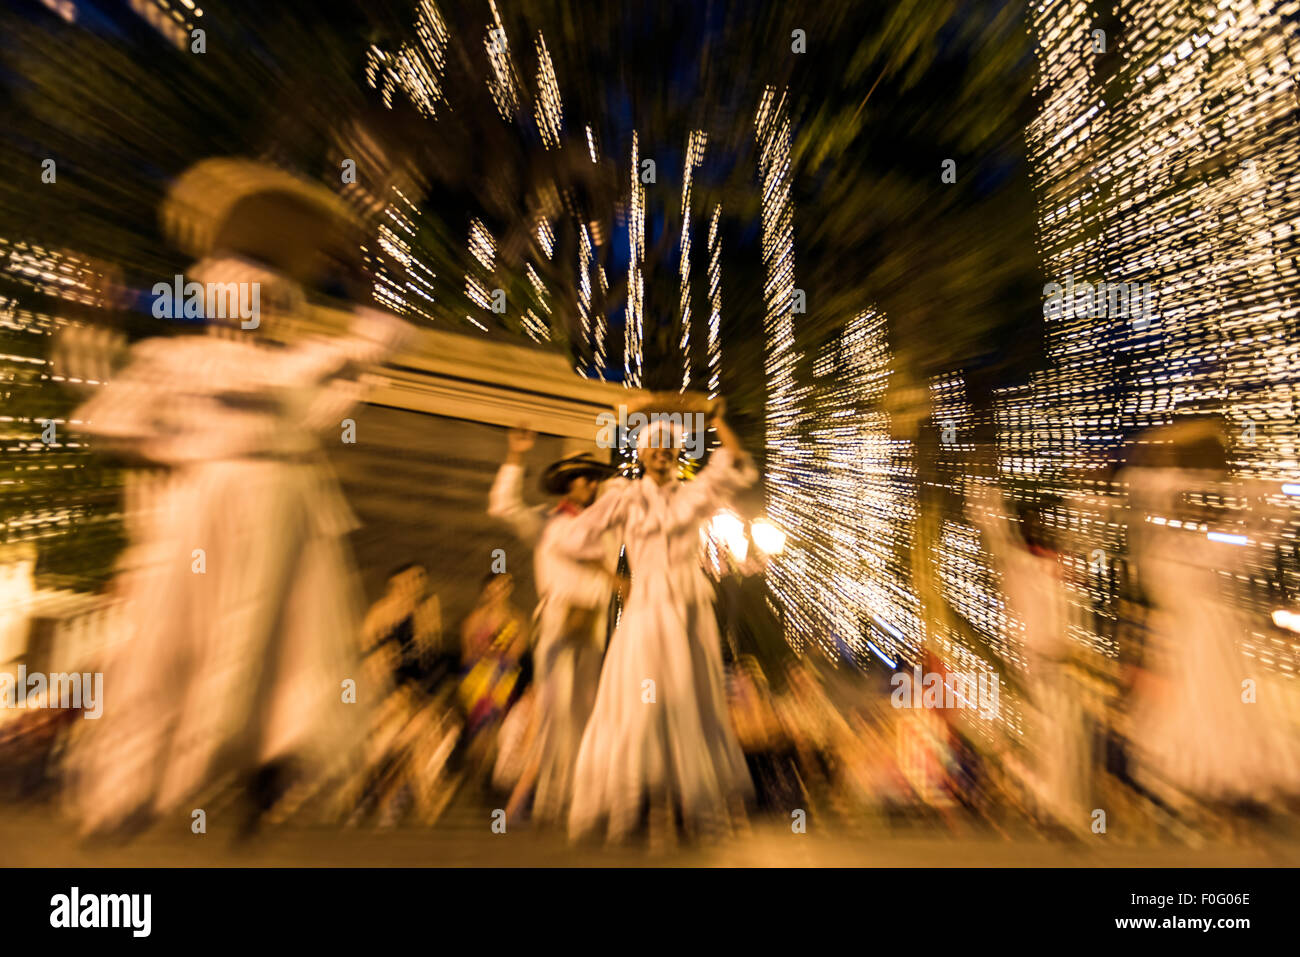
(623,704)
(628,705)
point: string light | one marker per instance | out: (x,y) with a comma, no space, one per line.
(550,111)
(1179,167)
(545,237)
(584,280)
(402,281)
(715,304)
(694,157)
(502,82)
(481,244)
(632,357)
(792,576)
(51,272)
(417,69)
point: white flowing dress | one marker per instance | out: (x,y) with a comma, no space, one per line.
(1057,735)
(1193,732)
(660,724)
(235,655)
(567,664)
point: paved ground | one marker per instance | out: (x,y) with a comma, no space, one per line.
(38,837)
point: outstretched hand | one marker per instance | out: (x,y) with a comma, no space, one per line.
(519,442)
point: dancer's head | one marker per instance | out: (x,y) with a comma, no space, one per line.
(576,478)
(581,490)
(659,446)
(261,239)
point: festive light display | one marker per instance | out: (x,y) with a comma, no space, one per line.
(602,323)
(1175,165)
(843,576)
(503,82)
(715,304)
(791,574)
(58,497)
(545,236)
(970,627)
(50,272)
(633,322)
(535,328)
(482,247)
(694,157)
(550,111)
(481,244)
(1178,164)
(584,280)
(402,281)
(416,69)
(870,477)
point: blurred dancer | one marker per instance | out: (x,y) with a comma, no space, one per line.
(1033,581)
(244,608)
(660,730)
(573,593)
(1195,735)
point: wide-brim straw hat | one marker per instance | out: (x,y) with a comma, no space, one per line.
(558,474)
(241,207)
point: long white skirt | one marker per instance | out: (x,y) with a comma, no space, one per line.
(660,727)
(236,655)
(567,675)
(1193,732)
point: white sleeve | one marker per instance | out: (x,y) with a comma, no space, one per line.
(584,535)
(506,502)
(717,483)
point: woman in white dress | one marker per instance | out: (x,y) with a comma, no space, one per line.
(1035,589)
(1196,732)
(569,625)
(243,605)
(660,730)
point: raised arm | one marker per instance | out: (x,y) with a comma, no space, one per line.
(506,499)
(729,471)
(740,458)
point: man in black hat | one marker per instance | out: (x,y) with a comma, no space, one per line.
(574,593)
